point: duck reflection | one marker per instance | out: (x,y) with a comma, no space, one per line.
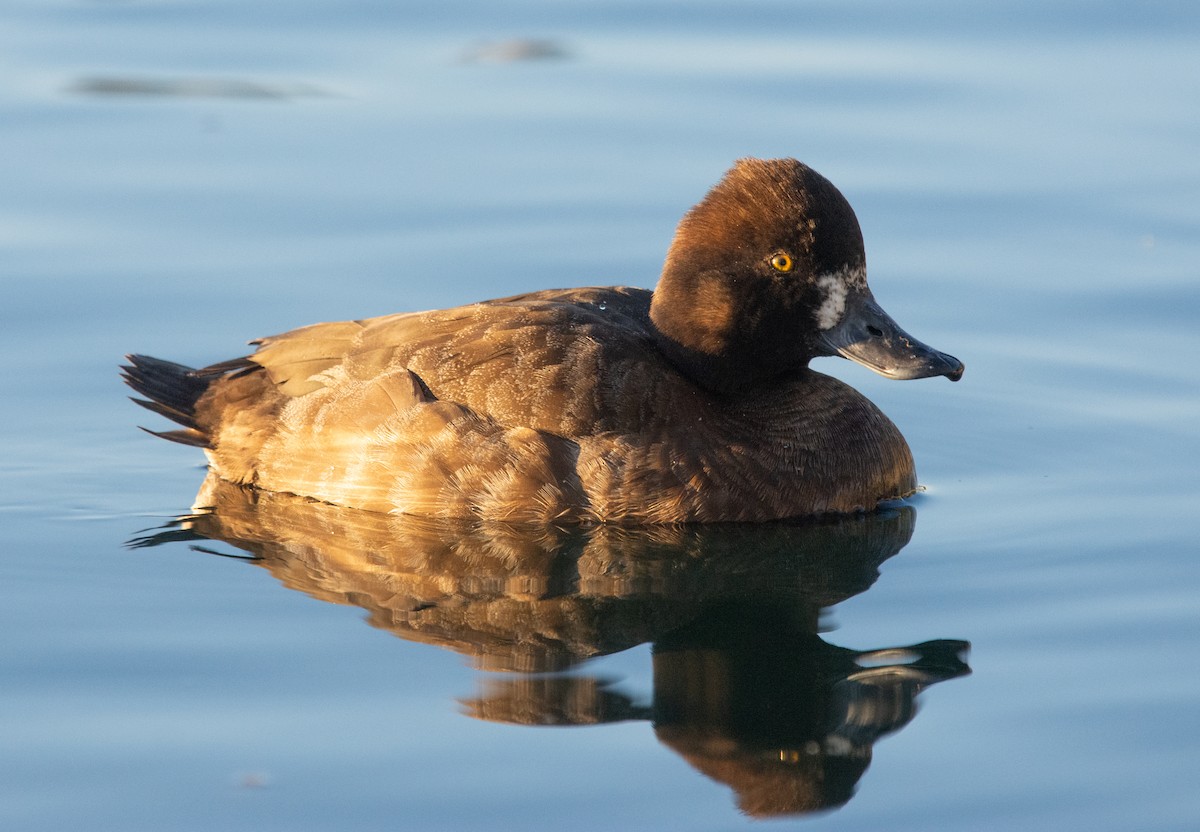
(744,687)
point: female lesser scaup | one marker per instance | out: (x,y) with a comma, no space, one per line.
(694,403)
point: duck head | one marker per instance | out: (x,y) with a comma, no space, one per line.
(767,272)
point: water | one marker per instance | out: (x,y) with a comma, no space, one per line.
(179,178)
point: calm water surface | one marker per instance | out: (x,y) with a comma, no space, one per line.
(180,177)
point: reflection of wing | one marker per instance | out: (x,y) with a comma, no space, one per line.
(544,699)
(543,598)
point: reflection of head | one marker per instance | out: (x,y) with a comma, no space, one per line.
(793,782)
(755,700)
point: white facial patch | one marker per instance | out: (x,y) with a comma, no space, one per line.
(837,287)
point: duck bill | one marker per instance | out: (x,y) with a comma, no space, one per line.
(868,335)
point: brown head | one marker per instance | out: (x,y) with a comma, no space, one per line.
(767,272)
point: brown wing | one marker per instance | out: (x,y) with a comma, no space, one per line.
(574,362)
(473,410)
(294,359)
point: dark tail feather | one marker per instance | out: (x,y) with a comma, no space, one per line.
(185,419)
(191,436)
(172,390)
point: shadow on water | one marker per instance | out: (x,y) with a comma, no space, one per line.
(744,687)
(198,87)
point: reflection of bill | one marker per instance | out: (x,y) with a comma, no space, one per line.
(744,688)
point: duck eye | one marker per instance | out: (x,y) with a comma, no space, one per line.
(782,263)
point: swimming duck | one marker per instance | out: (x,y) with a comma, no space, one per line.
(691,403)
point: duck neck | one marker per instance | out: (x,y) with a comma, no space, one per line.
(716,344)
(721,373)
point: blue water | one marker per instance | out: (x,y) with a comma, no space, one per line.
(177,178)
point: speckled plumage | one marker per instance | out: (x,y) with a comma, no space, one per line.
(587,405)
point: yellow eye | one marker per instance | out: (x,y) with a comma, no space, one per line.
(782,263)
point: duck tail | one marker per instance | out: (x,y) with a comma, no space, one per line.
(172,390)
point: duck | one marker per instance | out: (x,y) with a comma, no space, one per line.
(691,403)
